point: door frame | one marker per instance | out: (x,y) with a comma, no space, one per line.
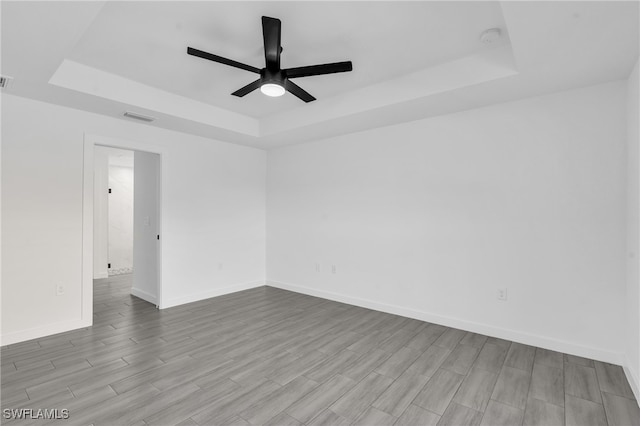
(90,141)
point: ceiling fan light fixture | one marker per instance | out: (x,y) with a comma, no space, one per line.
(274,80)
(272,89)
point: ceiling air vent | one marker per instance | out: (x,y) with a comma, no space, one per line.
(139,116)
(4,81)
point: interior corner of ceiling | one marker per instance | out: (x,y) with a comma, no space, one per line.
(55,78)
(503,58)
(84,79)
(266,126)
(506,8)
(490,65)
(91,18)
(259,128)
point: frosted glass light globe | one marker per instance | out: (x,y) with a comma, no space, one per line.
(270,89)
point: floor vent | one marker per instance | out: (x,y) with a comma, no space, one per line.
(140,117)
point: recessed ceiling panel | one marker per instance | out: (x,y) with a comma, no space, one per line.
(147,41)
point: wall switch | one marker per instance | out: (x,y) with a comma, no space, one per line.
(333,269)
(59,290)
(146,221)
(220,266)
(317,267)
(502,294)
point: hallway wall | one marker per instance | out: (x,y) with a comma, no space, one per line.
(213,198)
(121,183)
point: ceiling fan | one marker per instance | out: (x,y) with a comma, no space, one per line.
(274,81)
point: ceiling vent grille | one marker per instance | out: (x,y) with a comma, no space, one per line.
(4,81)
(140,117)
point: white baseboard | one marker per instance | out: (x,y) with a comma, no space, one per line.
(488,330)
(47,330)
(61,327)
(144,295)
(632,378)
(212,293)
(100,275)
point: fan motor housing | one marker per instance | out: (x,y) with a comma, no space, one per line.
(270,76)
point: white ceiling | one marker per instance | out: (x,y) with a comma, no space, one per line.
(411,59)
(382,39)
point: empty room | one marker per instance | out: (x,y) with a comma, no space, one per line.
(320,213)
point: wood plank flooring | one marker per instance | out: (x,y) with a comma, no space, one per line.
(273,357)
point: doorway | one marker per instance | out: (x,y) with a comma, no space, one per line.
(113,212)
(126,220)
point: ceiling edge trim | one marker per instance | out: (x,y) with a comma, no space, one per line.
(81,78)
(468,71)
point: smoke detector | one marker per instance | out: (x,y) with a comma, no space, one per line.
(4,81)
(490,36)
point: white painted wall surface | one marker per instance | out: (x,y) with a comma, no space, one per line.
(632,336)
(101,212)
(146,226)
(121,219)
(41,228)
(428,219)
(213,196)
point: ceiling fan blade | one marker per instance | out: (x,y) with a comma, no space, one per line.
(296,90)
(247,89)
(319,69)
(271,32)
(220,59)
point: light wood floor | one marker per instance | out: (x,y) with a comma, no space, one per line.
(269,356)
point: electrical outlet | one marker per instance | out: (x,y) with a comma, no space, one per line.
(333,269)
(502,294)
(59,290)
(317,267)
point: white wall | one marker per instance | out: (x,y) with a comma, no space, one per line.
(146,226)
(120,219)
(112,211)
(428,219)
(213,198)
(425,219)
(632,336)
